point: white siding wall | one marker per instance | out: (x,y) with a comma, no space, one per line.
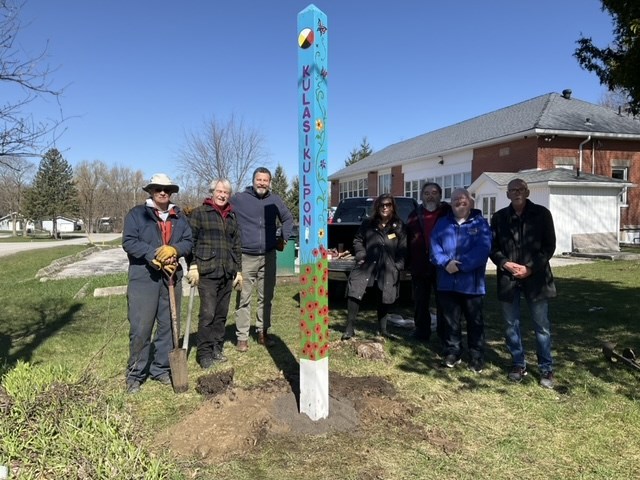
(582,210)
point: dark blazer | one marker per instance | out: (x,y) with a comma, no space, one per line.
(384,252)
(529,239)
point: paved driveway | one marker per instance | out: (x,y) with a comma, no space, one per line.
(10,248)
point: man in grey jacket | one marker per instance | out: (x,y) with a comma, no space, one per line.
(258,211)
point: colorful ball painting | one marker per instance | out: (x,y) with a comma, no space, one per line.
(305,38)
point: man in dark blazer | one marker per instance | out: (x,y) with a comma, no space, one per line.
(524,241)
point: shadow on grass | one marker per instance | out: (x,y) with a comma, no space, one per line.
(51,316)
(586,313)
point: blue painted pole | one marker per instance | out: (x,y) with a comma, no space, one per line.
(313,40)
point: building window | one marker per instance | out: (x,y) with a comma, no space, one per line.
(488,206)
(621,173)
(412,189)
(354,188)
(384,184)
(449,183)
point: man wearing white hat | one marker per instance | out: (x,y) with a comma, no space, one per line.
(155,235)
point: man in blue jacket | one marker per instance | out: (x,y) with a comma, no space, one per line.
(258,211)
(155,235)
(460,246)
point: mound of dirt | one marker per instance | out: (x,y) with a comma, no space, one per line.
(237,420)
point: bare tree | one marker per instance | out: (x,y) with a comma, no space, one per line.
(25,79)
(123,191)
(229,150)
(92,192)
(14,182)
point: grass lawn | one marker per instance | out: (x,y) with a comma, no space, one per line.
(456,424)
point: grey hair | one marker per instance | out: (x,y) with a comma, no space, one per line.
(225,183)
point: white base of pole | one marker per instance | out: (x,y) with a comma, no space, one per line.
(314,388)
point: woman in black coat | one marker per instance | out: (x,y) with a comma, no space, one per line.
(380,249)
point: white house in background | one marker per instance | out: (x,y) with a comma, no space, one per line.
(6,222)
(64,225)
(585,208)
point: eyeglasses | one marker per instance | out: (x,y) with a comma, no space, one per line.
(517,190)
(163,189)
(386,205)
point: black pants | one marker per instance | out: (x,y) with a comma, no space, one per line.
(422,288)
(215,294)
(353,306)
(455,306)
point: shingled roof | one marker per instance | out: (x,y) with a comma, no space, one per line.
(555,175)
(548,114)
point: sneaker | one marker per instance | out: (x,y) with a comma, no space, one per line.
(205,362)
(242,346)
(219,357)
(133,386)
(163,379)
(451,361)
(476,365)
(546,379)
(517,373)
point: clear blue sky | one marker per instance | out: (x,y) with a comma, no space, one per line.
(139,74)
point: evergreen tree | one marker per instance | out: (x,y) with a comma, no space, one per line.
(358,154)
(292,199)
(54,192)
(616,65)
(279,182)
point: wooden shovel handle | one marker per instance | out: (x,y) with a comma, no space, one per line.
(174,314)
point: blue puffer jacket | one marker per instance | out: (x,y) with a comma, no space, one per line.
(257,218)
(470,244)
(141,237)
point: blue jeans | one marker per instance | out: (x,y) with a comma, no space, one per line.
(541,325)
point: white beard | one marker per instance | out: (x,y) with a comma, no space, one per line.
(431,206)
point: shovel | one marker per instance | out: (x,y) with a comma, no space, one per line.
(177,356)
(185,341)
(611,355)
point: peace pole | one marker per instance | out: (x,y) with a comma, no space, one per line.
(314,203)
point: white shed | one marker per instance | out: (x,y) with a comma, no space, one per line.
(64,225)
(585,208)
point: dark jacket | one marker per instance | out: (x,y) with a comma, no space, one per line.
(384,252)
(529,240)
(418,239)
(258,217)
(141,237)
(216,242)
(470,244)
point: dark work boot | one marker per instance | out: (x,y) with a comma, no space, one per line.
(349,332)
(382,326)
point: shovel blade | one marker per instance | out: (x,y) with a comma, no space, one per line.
(179,373)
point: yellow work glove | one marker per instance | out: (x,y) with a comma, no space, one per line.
(156,264)
(193,276)
(165,252)
(237,282)
(170,268)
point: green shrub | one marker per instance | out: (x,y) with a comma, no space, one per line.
(54,426)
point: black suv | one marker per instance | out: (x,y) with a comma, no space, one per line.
(356,209)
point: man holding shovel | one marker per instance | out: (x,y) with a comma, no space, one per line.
(214,269)
(155,235)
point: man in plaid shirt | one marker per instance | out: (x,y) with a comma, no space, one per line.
(215,268)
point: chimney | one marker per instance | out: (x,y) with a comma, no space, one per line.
(566,93)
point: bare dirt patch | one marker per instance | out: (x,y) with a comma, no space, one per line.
(234,421)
